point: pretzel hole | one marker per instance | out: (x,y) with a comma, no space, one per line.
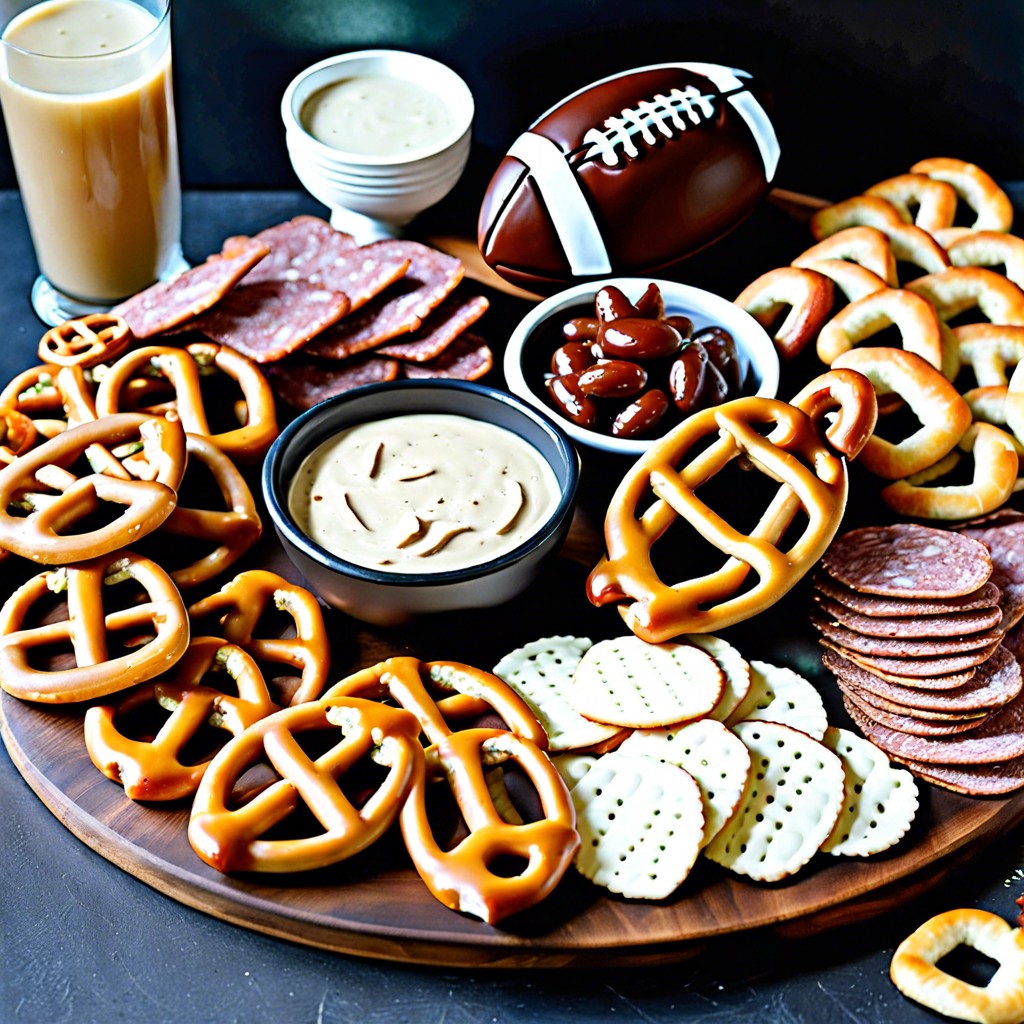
(968,964)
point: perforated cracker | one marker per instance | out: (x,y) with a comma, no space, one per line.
(541,673)
(712,753)
(572,767)
(641,823)
(779,694)
(631,683)
(880,803)
(735,672)
(789,808)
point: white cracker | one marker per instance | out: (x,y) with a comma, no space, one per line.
(781,695)
(541,673)
(630,683)
(735,669)
(881,801)
(790,806)
(712,753)
(572,767)
(640,823)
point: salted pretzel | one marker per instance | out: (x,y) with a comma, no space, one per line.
(86,341)
(241,605)
(151,767)
(805,293)
(231,835)
(990,249)
(865,246)
(53,398)
(17,433)
(996,465)
(914,972)
(778,439)
(990,350)
(853,280)
(943,413)
(1013,406)
(463,877)
(155,631)
(991,205)
(934,201)
(959,289)
(56,500)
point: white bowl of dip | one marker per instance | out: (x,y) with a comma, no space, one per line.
(392,505)
(379,133)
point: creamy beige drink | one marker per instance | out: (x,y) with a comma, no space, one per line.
(85,88)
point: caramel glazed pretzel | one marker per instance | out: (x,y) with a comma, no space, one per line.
(807,461)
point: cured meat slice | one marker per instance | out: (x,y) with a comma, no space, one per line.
(269,320)
(171,303)
(986,596)
(941,681)
(467,358)
(971,779)
(907,723)
(1005,541)
(401,308)
(917,668)
(904,647)
(906,560)
(301,249)
(953,624)
(303,383)
(438,330)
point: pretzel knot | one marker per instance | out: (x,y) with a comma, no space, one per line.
(230,833)
(464,877)
(88,341)
(151,768)
(90,630)
(813,482)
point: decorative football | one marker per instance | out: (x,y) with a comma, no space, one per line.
(629,174)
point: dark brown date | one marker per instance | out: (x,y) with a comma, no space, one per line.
(687,375)
(572,357)
(683,324)
(716,390)
(651,305)
(722,352)
(612,378)
(612,304)
(570,400)
(642,415)
(637,338)
(580,328)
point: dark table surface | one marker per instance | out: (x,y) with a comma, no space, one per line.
(83,942)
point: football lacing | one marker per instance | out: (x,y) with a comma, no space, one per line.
(667,114)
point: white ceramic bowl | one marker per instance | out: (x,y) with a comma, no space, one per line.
(390,598)
(525,363)
(390,190)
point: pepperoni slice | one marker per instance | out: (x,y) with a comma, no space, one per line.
(303,383)
(467,358)
(438,330)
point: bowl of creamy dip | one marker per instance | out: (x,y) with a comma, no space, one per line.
(378,134)
(405,498)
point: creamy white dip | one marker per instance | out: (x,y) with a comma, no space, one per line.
(423,493)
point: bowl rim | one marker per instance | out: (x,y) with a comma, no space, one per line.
(463,104)
(706,302)
(283,521)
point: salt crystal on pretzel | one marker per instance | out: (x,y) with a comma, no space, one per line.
(934,201)
(992,207)
(804,294)
(989,249)
(778,694)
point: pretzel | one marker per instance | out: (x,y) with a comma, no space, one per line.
(865,246)
(464,692)
(44,534)
(935,200)
(943,413)
(914,972)
(996,465)
(1013,408)
(913,316)
(853,280)
(86,628)
(61,398)
(241,605)
(806,293)
(959,289)
(234,530)
(812,480)
(463,877)
(990,249)
(991,205)
(230,835)
(86,341)
(17,433)
(990,350)
(151,768)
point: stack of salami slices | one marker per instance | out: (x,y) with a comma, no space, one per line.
(919,627)
(321,313)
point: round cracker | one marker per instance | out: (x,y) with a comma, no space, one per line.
(779,694)
(735,671)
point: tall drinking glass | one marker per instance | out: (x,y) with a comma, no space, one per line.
(85,88)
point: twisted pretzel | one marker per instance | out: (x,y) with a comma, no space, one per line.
(959,289)
(57,399)
(87,341)
(44,534)
(806,293)
(935,200)
(992,207)
(990,249)
(853,280)
(866,246)
(230,836)
(151,768)
(17,433)
(462,878)
(812,480)
(240,605)
(160,621)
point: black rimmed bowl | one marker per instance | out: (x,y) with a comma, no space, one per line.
(390,598)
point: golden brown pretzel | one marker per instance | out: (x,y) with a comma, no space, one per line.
(990,249)
(959,289)
(805,293)
(935,200)
(58,398)
(233,837)
(992,207)
(866,246)
(42,483)
(853,280)
(17,433)
(89,630)
(812,480)
(86,341)
(240,606)
(151,768)
(463,877)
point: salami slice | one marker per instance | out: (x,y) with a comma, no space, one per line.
(268,320)
(1004,539)
(907,560)
(171,303)
(907,723)
(953,624)
(972,780)
(301,249)
(401,308)
(467,358)
(986,596)
(303,383)
(903,647)
(941,681)
(438,330)
(916,668)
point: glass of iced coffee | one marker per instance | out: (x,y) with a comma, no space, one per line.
(85,88)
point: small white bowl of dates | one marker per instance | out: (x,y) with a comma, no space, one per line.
(619,363)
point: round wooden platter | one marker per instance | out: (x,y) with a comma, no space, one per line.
(376,906)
